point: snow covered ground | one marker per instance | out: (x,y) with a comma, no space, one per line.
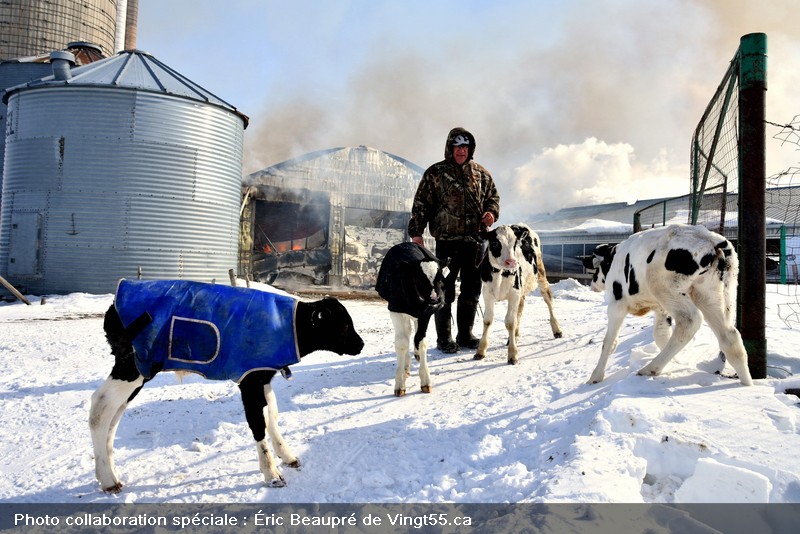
(488,432)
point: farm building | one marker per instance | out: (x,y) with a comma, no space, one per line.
(572,232)
(327,217)
(115,164)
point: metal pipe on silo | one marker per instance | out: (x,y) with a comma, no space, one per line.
(61,62)
(119,34)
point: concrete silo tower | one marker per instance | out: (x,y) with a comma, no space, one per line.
(33,27)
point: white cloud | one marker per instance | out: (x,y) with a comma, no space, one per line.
(592,172)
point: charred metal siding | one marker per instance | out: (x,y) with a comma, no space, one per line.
(353,177)
(118,179)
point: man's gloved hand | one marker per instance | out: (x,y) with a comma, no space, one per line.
(488,219)
(417,239)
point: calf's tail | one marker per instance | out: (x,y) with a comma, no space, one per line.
(727,264)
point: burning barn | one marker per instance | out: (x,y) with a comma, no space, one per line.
(327,217)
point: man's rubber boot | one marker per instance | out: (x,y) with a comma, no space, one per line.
(465,317)
(444,339)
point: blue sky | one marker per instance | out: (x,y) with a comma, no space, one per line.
(572,102)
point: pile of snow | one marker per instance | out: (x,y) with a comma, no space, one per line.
(488,432)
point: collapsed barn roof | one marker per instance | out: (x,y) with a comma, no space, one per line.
(361,177)
(326,217)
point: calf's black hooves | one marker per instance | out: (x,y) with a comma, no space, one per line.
(116,488)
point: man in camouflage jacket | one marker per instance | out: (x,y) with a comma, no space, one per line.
(456,199)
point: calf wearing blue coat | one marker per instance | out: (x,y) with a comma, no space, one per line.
(220,332)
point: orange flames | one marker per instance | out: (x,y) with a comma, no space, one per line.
(284,246)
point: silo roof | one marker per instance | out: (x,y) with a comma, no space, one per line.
(134,69)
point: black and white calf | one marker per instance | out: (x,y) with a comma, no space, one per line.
(304,328)
(411,280)
(509,272)
(677,271)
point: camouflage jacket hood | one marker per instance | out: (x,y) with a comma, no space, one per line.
(451,198)
(451,138)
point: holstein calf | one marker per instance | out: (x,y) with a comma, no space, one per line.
(217,331)
(678,272)
(511,268)
(411,280)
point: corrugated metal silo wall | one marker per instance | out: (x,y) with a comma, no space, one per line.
(121,179)
(11,74)
(32,27)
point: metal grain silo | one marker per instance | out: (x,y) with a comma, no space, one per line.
(114,166)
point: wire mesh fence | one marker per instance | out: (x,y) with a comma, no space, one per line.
(727,185)
(783,210)
(714,167)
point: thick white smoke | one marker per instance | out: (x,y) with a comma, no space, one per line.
(571,103)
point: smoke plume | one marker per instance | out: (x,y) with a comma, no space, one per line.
(579,103)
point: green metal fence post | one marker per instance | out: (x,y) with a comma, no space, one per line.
(783,254)
(752,187)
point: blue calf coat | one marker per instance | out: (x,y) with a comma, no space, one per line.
(218,331)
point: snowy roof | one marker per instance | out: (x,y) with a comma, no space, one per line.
(569,218)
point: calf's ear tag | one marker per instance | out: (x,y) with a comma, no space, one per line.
(286,373)
(445,271)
